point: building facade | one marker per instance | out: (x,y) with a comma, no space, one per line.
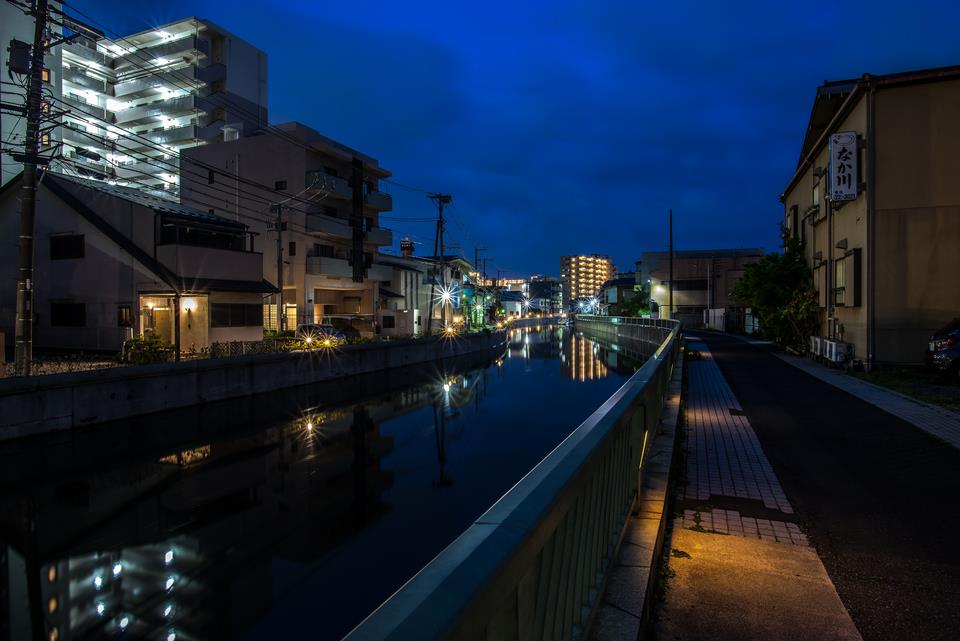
(330,233)
(134,102)
(581,277)
(546,294)
(703,280)
(882,244)
(112,263)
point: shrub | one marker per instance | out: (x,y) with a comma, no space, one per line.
(149,348)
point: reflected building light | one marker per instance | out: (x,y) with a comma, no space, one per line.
(117,568)
(124,622)
(98,582)
(168,557)
(101,608)
(169,584)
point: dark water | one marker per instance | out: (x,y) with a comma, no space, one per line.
(284,515)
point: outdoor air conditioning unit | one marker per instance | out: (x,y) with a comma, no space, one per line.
(816,347)
(837,352)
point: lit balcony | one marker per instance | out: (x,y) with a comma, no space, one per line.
(173,50)
(185,78)
(171,108)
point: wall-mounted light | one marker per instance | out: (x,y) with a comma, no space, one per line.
(189,304)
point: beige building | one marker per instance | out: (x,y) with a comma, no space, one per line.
(885,262)
(581,277)
(312,178)
(113,262)
(703,282)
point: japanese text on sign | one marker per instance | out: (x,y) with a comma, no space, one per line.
(843,166)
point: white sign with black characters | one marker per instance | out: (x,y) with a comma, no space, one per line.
(843,166)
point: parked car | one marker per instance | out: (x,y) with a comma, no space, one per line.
(943,350)
(316,332)
(345,327)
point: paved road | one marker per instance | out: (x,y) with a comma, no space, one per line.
(879,498)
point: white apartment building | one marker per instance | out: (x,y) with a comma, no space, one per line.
(131,103)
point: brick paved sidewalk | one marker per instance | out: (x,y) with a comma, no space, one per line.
(938,421)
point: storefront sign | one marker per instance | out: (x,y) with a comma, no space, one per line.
(843,166)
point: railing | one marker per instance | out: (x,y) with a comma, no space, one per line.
(533,565)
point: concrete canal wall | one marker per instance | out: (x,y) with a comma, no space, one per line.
(63,401)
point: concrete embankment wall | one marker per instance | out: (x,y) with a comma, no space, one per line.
(623,328)
(63,401)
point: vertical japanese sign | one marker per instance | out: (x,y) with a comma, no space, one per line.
(843,166)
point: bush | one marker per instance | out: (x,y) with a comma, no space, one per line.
(149,348)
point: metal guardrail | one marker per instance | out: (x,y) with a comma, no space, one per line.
(532,566)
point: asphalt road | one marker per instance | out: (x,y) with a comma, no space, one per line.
(878,498)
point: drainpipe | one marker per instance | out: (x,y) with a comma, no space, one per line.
(871,224)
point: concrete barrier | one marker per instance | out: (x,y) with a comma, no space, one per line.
(533,565)
(30,406)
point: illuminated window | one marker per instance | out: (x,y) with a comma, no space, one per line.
(52,605)
(45,75)
(52,573)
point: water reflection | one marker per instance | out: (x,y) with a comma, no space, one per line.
(247,532)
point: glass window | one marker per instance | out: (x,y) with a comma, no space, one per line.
(124,316)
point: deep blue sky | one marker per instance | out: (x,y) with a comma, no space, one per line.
(572,125)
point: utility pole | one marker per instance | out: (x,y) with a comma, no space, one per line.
(28,197)
(440,200)
(357,222)
(278,227)
(477,286)
(670,309)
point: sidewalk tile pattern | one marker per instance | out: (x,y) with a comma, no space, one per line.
(731,522)
(724,455)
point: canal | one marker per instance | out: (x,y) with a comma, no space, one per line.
(290,514)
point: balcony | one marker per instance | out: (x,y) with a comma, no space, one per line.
(324,266)
(144,171)
(163,51)
(81,108)
(84,50)
(379,200)
(180,78)
(78,77)
(319,182)
(323,224)
(379,236)
(171,108)
(340,228)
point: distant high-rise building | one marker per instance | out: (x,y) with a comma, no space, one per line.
(581,277)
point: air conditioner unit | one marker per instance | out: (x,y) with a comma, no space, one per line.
(837,352)
(816,346)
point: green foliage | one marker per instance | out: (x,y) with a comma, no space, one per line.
(636,306)
(149,348)
(779,291)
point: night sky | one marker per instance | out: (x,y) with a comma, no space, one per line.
(571,126)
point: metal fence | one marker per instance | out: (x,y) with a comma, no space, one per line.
(533,565)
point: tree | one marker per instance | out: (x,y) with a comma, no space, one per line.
(779,291)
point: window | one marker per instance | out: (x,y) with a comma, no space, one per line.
(45,139)
(847,279)
(124,316)
(325,251)
(292,249)
(68,314)
(45,75)
(210,177)
(66,246)
(389,322)
(280,185)
(236,315)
